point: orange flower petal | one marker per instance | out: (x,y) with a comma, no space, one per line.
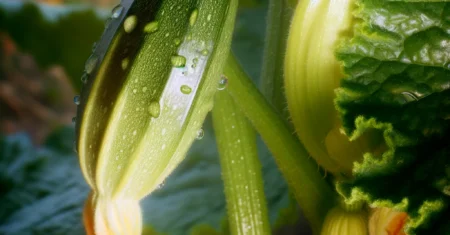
(395,226)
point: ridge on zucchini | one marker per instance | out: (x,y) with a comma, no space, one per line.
(148,87)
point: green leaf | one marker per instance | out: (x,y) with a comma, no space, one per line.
(41,190)
(398,85)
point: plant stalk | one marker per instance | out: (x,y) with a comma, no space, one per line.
(272,74)
(241,168)
(310,189)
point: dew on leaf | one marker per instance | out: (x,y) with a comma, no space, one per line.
(205,52)
(185,89)
(200,134)
(130,23)
(151,27)
(154,109)
(178,61)
(125,63)
(76,99)
(177,41)
(222,83)
(84,78)
(117,11)
(90,64)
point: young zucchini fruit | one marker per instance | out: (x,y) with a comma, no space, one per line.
(385,64)
(312,73)
(149,85)
(346,219)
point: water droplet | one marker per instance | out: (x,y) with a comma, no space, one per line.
(205,52)
(200,134)
(125,63)
(84,78)
(178,61)
(160,185)
(117,11)
(209,17)
(177,41)
(193,17)
(154,109)
(130,23)
(76,99)
(74,120)
(151,27)
(185,89)
(222,83)
(144,89)
(195,60)
(90,64)
(409,97)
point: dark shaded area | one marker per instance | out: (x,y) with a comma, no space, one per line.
(67,41)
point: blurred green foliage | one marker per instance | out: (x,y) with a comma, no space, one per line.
(67,41)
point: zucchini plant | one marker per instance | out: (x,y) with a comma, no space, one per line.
(366,84)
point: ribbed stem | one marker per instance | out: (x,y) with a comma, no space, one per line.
(241,169)
(309,187)
(271,83)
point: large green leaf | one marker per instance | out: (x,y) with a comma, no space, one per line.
(398,83)
(42,189)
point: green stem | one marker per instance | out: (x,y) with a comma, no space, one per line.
(248,3)
(292,3)
(311,191)
(241,169)
(272,75)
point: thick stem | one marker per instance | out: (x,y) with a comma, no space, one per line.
(241,169)
(248,3)
(311,191)
(272,74)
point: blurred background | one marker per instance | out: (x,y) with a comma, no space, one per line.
(43,47)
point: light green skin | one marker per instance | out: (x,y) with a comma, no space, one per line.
(236,142)
(127,149)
